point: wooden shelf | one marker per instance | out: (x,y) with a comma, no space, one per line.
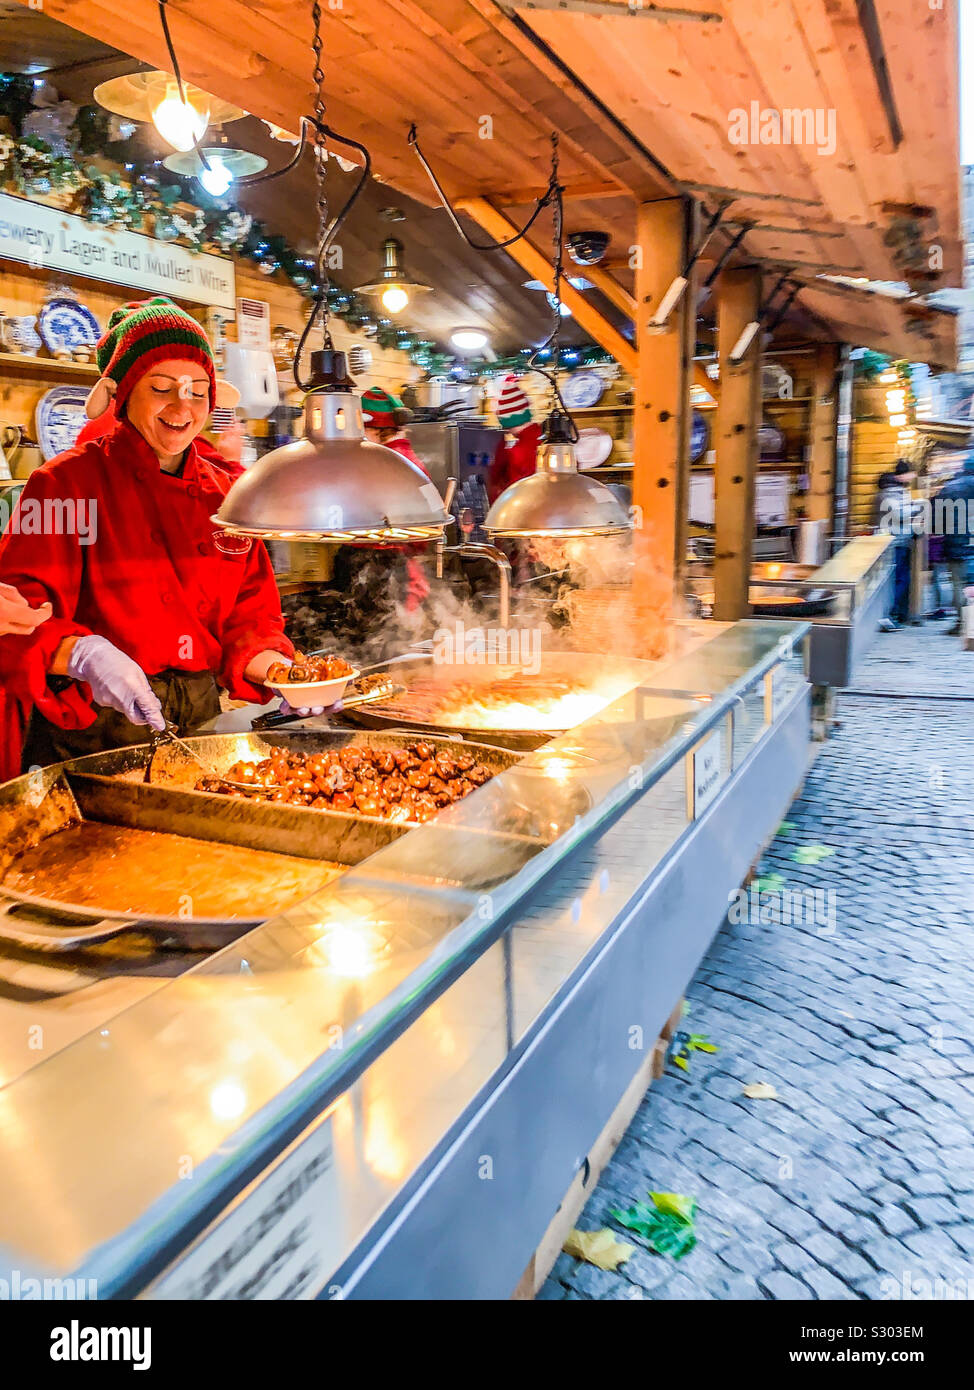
(786,401)
(764,464)
(602,410)
(46,366)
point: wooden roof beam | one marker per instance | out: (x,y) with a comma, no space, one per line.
(496,225)
(573,192)
(856,28)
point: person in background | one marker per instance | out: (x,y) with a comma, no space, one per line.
(893,515)
(383,416)
(958,534)
(519,458)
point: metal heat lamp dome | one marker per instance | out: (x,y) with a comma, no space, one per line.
(332,485)
(557,501)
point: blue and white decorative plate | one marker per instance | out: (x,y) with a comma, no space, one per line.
(699,436)
(65,325)
(60,416)
(582,389)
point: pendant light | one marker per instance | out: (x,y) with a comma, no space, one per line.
(223,164)
(154,97)
(556,500)
(331,485)
(393,285)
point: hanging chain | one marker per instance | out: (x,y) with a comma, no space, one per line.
(556,258)
(321,170)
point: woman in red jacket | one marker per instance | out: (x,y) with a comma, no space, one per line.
(153,605)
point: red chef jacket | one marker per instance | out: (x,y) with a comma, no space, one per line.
(418,588)
(402,446)
(512,462)
(159,579)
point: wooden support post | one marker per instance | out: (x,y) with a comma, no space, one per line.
(824,414)
(662,404)
(738,417)
(688,346)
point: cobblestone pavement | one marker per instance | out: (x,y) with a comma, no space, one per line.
(858,1181)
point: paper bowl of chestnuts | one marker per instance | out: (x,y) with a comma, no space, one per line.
(310,680)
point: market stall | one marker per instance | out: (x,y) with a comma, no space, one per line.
(416,953)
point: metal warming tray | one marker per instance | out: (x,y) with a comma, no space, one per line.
(428,681)
(108,789)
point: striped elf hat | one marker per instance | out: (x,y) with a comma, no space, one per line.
(382,410)
(513,407)
(143,333)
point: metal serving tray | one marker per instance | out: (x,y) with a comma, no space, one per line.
(107,787)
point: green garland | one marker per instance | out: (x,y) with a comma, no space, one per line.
(145,198)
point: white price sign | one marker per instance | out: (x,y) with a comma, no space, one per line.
(776,694)
(279,1240)
(707,771)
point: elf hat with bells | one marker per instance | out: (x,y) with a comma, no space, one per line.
(141,334)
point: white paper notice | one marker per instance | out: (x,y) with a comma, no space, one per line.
(706,772)
(280,1241)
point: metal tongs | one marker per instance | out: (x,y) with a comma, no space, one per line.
(169,738)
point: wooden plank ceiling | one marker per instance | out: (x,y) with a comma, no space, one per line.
(643,108)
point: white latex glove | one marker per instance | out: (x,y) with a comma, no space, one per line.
(304,711)
(115,680)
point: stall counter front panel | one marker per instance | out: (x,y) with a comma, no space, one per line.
(131,1149)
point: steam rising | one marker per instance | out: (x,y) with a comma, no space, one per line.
(580,594)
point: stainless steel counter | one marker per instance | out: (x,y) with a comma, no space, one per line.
(369,1020)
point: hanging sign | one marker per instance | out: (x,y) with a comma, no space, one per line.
(49,239)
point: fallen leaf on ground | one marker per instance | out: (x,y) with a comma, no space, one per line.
(602,1248)
(770,883)
(760,1090)
(667,1226)
(675,1204)
(812,854)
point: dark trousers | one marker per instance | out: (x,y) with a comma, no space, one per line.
(900,611)
(188,699)
(959,578)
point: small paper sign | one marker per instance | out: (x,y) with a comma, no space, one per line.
(706,772)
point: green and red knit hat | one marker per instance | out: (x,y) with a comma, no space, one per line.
(381,410)
(146,332)
(513,407)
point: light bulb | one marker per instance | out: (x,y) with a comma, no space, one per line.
(395,299)
(217,178)
(179,123)
(468,339)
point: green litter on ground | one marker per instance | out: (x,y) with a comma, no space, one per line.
(667,1226)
